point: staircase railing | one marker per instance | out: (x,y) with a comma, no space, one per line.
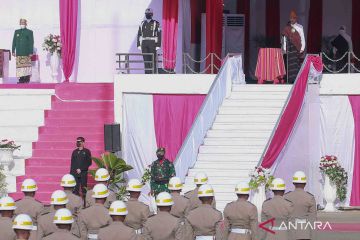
(231,71)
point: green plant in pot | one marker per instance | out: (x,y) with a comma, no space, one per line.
(3,183)
(116,167)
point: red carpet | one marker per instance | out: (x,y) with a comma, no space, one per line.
(63,123)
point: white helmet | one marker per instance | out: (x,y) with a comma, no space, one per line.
(134,185)
(68,180)
(59,197)
(29,185)
(201,178)
(100,191)
(164,199)
(102,175)
(118,208)
(299,177)
(7,203)
(23,221)
(277,184)
(205,190)
(63,216)
(175,184)
(242,188)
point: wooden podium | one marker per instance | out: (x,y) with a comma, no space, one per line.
(5,56)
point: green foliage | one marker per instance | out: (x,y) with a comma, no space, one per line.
(116,167)
(261,180)
(339,177)
(146,176)
(3,183)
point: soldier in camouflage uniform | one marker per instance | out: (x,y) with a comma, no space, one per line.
(161,172)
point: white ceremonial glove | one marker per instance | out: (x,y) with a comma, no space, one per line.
(157,48)
(139,47)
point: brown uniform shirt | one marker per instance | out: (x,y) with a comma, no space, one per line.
(75,203)
(194,200)
(30,206)
(181,206)
(7,233)
(138,214)
(280,209)
(117,231)
(61,234)
(94,218)
(241,214)
(90,201)
(304,209)
(204,221)
(163,226)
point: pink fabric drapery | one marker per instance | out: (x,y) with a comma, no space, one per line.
(173,117)
(170,32)
(270,65)
(355,192)
(290,114)
(68,30)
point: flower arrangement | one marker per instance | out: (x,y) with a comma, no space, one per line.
(260,176)
(5,143)
(146,176)
(52,44)
(330,166)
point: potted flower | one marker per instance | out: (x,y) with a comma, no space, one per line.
(52,44)
(7,148)
(335,181)
(260,180)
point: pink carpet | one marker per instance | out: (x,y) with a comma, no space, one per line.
(63,123)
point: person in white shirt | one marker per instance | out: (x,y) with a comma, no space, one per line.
(293,44)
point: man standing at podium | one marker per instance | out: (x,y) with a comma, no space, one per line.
(293,42)
(149,40)
(22,49)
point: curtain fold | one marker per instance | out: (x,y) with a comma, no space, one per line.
(355,27)
(272,26)
(314,38)
(170,32)
(355,192)
(243,7)
(173,117)
(68,32)
(291,113)
(214,23)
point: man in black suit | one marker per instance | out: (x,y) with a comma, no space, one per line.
(80,163)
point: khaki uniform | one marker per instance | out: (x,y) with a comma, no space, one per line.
(30,206)
(163,226)
(304,211)
(93,218)
(61,234)
(138,214)
(241,214)
(46,226)
(90,201)
(204,221)
(7,233)
(181,206)
(194,200)
(75,203)
(117,231)
(280,209)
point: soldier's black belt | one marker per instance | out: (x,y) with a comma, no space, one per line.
(162,182)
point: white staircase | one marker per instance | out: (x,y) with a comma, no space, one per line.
(22,113)
(234,144)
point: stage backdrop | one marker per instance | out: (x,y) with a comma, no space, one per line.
(105,27)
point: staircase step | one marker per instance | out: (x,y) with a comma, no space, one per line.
(220,180)
(229,149)
(214,172)
(237,133)
(246,118)
(261,88)
(71,130)
(250,110)
(71,137)
(225,165)
(249,96)
(67,144)
(82,106)
(235,141)
(253,103)
(220,157)
(243,126)
(79,114)
(59,153)
(44,161)
(65,122)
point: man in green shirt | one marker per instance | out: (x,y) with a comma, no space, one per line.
(22,49)
(161,172)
